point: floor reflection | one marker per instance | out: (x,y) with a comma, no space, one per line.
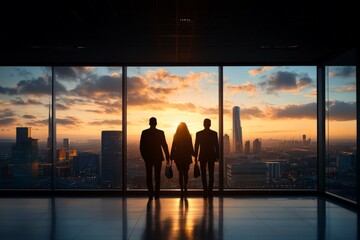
(186,218)
(311,218)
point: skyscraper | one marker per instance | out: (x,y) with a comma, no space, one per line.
(22,134)
(66,146)
(257,146)
(247,147)
(111,158)
(24,155)
(226,144)
(237,131)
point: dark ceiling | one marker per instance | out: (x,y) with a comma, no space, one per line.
(175,32)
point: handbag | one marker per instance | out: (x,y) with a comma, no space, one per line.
(196,170)
(168,171)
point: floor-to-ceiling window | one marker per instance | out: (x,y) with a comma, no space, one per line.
(172,95)
(88,127)
(270,127)
(25,105)
(341,130)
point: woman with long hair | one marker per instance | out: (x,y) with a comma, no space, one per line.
(182,151)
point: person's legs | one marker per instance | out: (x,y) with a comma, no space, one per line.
(211,167)
(157,166)
(186,179)
(149,184)
(181,180)
(203,176)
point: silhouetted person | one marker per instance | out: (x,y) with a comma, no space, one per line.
(207,141)
(152,145)
(181,152)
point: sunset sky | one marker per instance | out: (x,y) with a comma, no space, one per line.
(275,102)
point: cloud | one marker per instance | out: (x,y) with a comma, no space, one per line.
(60,106)
(113,68)
(106,122)
(209,111)
(155,87)
(65,73)
(259,70)
(20,101)
(110,110)
(162,75)
(346,71)
(279,81)
(59,88)
(252,112)
(342,111)
(247,87)
(22,72)
(104,87)
(36,86)
(94,111)
(304,81)
(312,94)
(347,88)
(72,73)
(163,90)
(139,94)
(5,113)
(107,107)
(39,86)
(27,116)
(38,123)
(7,117)
(69,121)
(285,81)
(69,101)
(294,111)
(7,121)
(163,78)
(8,91)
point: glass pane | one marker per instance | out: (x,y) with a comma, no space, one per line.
(25,156)
(341,131)
(88,127)
(172,95)
(270,127)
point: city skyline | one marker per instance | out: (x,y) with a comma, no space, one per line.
(89,98)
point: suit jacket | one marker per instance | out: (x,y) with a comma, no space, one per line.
(152,144)
(208,142)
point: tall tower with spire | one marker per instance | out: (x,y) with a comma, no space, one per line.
(237,131)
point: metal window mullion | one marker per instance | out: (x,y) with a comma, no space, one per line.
(321,131)
(53,132)
(221,124)
(124,129)
(357,139)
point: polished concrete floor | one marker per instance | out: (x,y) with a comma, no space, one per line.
(174,218)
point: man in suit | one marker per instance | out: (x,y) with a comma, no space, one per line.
(152,145)
(207,141)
